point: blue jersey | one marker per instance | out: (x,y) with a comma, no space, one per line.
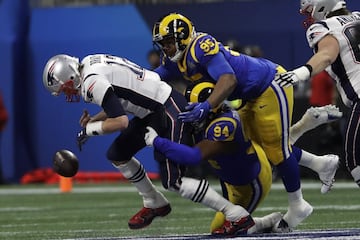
(240,167)
(207,59)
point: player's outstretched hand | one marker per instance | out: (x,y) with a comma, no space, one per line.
(287,79)
(150,136)
(195,112)
(85,118)
(81,138)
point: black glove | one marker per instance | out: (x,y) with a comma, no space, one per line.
(287,79)
(81,138)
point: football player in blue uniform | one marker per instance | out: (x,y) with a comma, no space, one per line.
(245,173)
(240,164)
(267,111)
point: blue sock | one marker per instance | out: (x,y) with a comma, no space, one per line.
(297,152)
(290,174)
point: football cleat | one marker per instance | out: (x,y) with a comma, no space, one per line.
(324,114)
(327,175)
(235,228)
(146,215)
(297,213)
(281,227)
(266,223)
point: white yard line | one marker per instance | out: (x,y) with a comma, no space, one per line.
(120,188)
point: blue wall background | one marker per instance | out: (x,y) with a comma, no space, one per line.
(41,124)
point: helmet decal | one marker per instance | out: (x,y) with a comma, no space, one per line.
(50,75)
(61,75)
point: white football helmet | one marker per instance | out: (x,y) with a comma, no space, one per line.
(317,10)
(61,74)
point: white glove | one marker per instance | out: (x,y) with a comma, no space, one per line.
(290,78)
(150,135)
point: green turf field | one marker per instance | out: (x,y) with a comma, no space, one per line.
(102,210)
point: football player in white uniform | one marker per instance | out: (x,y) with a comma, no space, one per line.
(122,87)
(333,36)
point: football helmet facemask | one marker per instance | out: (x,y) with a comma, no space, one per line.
(317,10)
(61,74)
(174,26)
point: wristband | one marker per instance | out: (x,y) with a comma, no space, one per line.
(94,128)
(309,67)
(302,73)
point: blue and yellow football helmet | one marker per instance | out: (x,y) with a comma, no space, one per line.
(175,26)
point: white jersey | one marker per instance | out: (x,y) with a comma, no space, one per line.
(140,91)
(346,69)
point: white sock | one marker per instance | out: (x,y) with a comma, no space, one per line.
(134,171)
(200,191)
(299,128)
(293,197)
(355,173)
(312,161)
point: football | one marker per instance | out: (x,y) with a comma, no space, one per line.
(65,163)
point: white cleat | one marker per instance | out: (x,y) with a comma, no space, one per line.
(327,175)
(266,223)
(321,115)
(154,200)
(296,214)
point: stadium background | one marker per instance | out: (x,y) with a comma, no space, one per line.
(33,31)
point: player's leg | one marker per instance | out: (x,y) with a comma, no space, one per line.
(237,220)
(250,196)
(314,117)
(272,113)
(121,154)
(325,166)
(352,139)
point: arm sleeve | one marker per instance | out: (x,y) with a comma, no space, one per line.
(176,152)
(112,105)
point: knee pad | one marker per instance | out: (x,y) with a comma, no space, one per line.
(193,189)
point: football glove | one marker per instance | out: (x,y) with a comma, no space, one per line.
(81,138)
(290,78)
(150,136)
(195,112)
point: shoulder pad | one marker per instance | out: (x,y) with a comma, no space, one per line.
(316,32)
(203,47)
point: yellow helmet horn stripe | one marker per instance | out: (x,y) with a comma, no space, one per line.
(196,91)
(164,23)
